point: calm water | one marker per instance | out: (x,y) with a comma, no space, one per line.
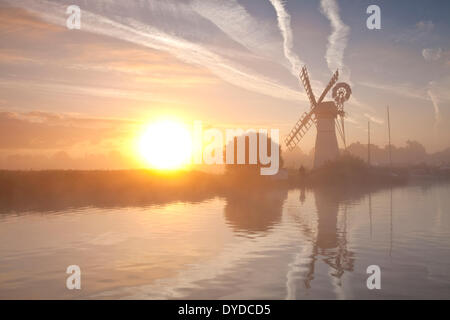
(281,245)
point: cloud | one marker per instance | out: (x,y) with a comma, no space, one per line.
(8,56)
(337,41)
(397,89)
(62,160)
(120,26)
(374,119)
(234,20)
(436,108)
(39,130)
(284,23)
(92,56)
(421,32)
(143,65)
(440,98)
(18,19)
(350,119)
(432,54)
(85,90)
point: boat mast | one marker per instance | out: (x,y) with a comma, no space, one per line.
(389,137)
(368,142)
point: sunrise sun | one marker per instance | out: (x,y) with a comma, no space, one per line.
(166,145)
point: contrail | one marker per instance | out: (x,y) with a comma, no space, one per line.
(236,22)
(374,119)
(284,23)
(437,110)
(337,41)
(132,30)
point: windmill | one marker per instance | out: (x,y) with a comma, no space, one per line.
(324,114)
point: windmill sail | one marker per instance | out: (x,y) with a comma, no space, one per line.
(300,129)
(324,115)
(307,85)
(308,118)
(332,82)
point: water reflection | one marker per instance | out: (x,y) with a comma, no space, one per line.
(257,211)
(331,241)
(254,210)
(60,191)
(261,243)
(327,236)
(391,225)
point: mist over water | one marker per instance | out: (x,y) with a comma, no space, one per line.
(261,244)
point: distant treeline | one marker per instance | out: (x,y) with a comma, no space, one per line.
(413,153)
(59,189)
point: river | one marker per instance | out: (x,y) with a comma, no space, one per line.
(284,244)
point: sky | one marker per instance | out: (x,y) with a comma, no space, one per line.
(78,98)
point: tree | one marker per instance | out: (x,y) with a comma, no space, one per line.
(248,169)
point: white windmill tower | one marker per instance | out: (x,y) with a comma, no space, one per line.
(324,114)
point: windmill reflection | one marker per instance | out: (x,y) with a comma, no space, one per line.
(302,195)
(330,239)
(255,210)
